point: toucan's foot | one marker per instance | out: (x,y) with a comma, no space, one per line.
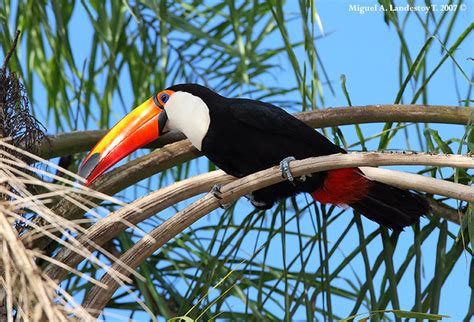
(285,168)
(216,192)
(286,172)
(258,203)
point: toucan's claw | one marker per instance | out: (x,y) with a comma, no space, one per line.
(258,204)
(216,192)
(285,168)
(286,172)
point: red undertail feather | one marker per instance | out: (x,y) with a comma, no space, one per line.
(389,206)
(342,187)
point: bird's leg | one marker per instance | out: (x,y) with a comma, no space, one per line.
(286,172)
(257,204)
(216,192)
(285,168)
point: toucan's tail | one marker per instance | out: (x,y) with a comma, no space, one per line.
(389,206)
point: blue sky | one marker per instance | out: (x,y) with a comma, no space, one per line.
(366,50)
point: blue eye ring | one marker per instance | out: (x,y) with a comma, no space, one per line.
(164,97)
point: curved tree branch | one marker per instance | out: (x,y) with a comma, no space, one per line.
(124,176)
(182,151)
(430,185)
(98,297)
(74,142)
(138,211)
(110,226)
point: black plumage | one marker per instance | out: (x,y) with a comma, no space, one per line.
(246,136)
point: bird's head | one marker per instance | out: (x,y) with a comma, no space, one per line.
(184,108)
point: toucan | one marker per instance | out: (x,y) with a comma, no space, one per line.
(242,136)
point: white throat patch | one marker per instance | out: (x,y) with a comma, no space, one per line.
(190,115)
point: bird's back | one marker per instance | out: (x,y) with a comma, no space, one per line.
(257,135)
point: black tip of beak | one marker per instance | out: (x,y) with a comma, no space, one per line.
(86,168)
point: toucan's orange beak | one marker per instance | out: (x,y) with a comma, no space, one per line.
(140,127)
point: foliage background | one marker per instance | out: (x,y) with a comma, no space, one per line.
(86,63)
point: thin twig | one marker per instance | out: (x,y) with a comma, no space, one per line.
(10,53)
(98,297)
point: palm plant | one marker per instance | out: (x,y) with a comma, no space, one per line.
(84,63)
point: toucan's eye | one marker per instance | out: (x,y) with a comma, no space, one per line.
(164,97)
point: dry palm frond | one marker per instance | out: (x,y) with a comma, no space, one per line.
(29,293)
(26,292)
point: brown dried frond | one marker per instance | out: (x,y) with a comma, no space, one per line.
(26,287)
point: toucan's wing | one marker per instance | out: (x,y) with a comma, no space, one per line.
(269,119)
